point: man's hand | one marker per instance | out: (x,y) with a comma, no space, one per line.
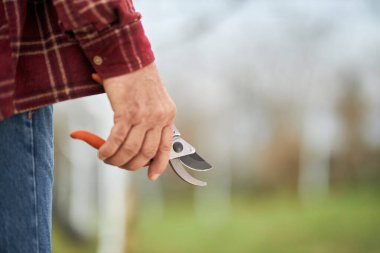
(143,119)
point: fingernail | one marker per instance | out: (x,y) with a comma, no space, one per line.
(154,177)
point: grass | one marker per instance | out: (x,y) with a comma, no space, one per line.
(347,222)
(64,242)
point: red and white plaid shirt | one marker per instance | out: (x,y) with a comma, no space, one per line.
(49,48)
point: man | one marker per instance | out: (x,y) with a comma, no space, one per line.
(48,50)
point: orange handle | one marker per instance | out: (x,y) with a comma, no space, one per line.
(92,139)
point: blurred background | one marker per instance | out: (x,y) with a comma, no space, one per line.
(281,97)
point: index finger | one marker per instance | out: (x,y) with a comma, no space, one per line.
(119,133)
(161,160)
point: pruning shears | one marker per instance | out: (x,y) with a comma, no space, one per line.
(182,155)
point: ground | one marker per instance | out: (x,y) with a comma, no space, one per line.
(346,222)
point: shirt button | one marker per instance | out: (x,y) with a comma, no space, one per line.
(98,60)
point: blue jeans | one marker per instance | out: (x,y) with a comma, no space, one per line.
(26,180)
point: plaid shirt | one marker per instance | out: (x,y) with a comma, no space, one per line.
(49,48)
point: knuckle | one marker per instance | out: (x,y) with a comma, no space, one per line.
(162,114)
(166,146)
(132,148)
(140,117)
(134,113)
(148,152)
(159,115)
(134,145)
(172,110)
(118,134)
(133,109)
(145,115)
(118,137)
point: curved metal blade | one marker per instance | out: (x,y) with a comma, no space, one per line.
(180,170)
(195,162)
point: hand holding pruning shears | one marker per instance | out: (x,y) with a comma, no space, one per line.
(143,119)
(154,144)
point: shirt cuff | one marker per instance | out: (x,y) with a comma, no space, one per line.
(117,50)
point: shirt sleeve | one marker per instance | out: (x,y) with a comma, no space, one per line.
(110,34)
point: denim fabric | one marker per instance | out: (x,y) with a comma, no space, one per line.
(26,180)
